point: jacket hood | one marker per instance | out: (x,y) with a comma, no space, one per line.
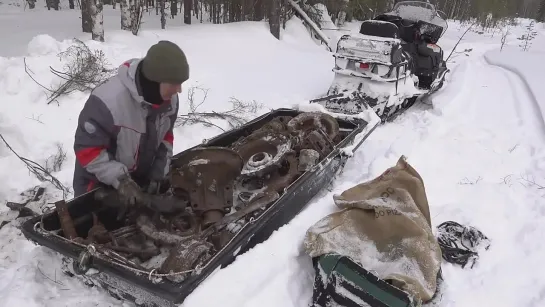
(127,74)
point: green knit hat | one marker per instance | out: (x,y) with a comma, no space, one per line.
(165,62)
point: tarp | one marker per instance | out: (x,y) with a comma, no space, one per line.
(384,225)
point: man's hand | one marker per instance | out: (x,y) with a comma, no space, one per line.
(129,192)
(156,187)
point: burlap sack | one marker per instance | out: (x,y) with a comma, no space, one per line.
(385,226)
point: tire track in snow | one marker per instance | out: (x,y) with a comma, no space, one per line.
(521,86)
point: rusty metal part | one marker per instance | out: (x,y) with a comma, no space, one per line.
(282,178)
(184,224)
(310,121)
(167,203)
(258,202)
(65,219)
(307,159)
(275,181)
(186,257)
(220,239)
(145,225)
(124,232)
(279,123)
(207,174)
(98,233)
(319,142)
(262,151)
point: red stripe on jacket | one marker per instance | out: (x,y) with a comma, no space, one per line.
(87,155)
(169,137)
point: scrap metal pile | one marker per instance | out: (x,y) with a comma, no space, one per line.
(214,193)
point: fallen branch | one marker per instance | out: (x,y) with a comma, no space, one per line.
(84,71)
(40,172)
(235,117)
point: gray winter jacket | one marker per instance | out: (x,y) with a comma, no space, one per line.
(119,132)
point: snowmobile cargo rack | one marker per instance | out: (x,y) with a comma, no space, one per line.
(94,266)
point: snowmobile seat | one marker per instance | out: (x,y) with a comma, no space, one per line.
(379,28)
(406,29)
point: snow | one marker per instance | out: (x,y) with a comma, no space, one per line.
(480,148)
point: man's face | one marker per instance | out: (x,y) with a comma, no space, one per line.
(169,89)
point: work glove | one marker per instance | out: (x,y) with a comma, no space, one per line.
(129,192)
(157,187)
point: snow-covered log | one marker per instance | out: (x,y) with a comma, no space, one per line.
(97,20)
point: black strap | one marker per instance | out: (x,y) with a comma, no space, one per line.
(459,243)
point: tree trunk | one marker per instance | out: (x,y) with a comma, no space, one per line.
(163,14)
(31,4)
(71,4)
(258,10)
(173,8)
(541,11)
(136,10)
(125,15)
(274,18)
(86,21)
(97,18)
(187,11)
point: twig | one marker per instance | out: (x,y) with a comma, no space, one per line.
(459,40)
(40,172)
(54,280)
(466,181)
(532,182)
(28,73)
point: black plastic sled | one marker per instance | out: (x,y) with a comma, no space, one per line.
(309,149)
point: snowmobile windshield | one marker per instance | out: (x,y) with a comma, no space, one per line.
(416,11)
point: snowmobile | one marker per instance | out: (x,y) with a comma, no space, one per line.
(393,61)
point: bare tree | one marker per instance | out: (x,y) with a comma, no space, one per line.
(97,20)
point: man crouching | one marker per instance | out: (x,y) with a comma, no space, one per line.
(124,136)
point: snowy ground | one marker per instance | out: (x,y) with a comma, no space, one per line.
(480,150)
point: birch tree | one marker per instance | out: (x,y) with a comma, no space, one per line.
(136,11)
(125,15)
(97,20)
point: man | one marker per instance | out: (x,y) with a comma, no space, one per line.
(124,135)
